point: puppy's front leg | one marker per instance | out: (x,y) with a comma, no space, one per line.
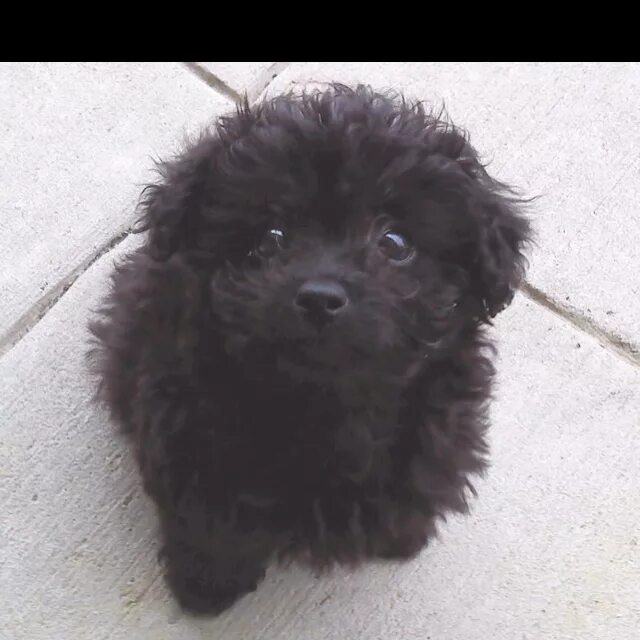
(209,569)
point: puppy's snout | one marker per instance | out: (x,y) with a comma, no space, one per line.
(320,300)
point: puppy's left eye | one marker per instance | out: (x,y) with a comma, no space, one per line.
(396,247)
(272,242)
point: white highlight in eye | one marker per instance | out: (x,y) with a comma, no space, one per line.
(395,246)
(272,242)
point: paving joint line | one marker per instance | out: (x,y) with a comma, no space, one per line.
(609,340)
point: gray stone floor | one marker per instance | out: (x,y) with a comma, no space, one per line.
(551,549)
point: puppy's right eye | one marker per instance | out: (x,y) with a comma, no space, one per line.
(271,243)
(396,247)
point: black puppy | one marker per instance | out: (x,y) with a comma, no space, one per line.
(297,351)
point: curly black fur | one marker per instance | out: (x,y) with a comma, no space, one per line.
(261,434)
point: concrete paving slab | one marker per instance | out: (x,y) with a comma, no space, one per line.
(76,142)
(569,132)
(551,550)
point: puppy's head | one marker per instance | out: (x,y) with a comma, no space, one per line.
(340,231)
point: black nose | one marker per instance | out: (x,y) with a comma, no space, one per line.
(321,300)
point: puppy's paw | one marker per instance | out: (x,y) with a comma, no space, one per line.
(200,594)
(401,549)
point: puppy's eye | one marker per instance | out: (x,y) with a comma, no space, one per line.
(396,247)
(272,242)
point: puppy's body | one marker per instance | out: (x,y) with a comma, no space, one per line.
(297,350)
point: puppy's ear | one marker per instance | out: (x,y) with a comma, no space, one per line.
(170,210)
(500,260)
(502,235)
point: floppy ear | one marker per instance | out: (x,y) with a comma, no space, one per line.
(492,249)
(170,210)
(500,263)
(502,234)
